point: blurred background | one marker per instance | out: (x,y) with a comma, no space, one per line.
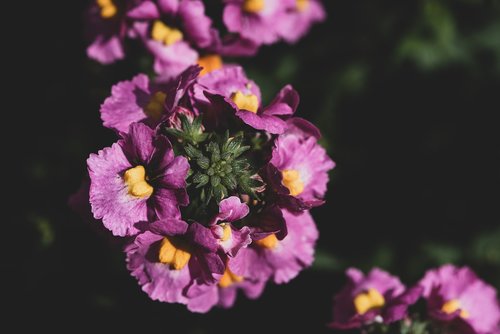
(406,94)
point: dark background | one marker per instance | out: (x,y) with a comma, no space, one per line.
(406,94)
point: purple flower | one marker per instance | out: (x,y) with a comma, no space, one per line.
(300,16)
(230,238)
(105,29)
(172,255)
(231,87)
(282,259)
(202,297)
(135,180)
(459,299)
(225,82)
(139,100)
(171,30)
(256,20)
(298,170)
(376,297)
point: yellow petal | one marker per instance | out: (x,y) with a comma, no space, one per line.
(269,242)
(135,179)
(248,102)
(253,6)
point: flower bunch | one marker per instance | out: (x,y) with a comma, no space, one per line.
(178,33)
(210,188)
(448,299)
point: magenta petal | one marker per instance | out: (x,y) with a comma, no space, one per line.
(298,23)
(240,238)
(232,209)
(169,227)
(202,297)
(106,49)
(170,61)
(168,7)
(146,10)
(125,105)
(227,296)
(195,23)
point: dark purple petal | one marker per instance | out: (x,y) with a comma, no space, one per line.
(285,103)
(138,144)
(175,174)
(303,128)
(165,203)
(271,124)
(162,156)
(270,220)
(169,227)
(233,45)
(203,237)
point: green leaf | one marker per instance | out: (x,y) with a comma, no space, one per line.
(192,152)
(201,179)
(203,162)
(215,180)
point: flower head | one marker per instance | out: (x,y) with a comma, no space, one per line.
(458,298)
(298,170)
(167,258)
(189,181)
(376,297)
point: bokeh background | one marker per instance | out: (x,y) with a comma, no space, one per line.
(406,94)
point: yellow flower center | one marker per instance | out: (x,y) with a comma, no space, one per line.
(165,34)
(369,300)
(253,6)
(173,253)
(248,102)
(229,278)
(108,8)
(452,306)
(269,242)
(226,232)
(135,179)
(209,63)
(291,180)
(302,5)
(154,108)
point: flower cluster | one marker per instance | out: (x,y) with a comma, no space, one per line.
(447,300)
(178,33)
(210,188)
